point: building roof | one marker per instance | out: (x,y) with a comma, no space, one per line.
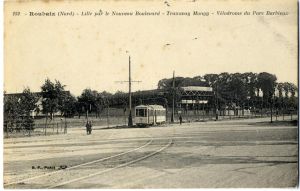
(197,88)
(158,107)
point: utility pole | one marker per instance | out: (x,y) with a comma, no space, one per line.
(107,115)
(216,101)
(87,112)
(173,98)
(272,104)
(130,114)
(130,123)
(271,109)
(262,105)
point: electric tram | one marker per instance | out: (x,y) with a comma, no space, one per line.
(146,115)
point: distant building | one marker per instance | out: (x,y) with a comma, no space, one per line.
(195,96)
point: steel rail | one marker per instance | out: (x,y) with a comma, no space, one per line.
(111,169)
(76,166)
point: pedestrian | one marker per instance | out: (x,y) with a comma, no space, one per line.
(87,127)
(180,119)
(90,127)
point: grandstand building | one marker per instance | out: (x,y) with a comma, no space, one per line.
(195,96)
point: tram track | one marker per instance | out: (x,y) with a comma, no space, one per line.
(108,164)
(59,179)
(22,181)
(171,160)
(114,167)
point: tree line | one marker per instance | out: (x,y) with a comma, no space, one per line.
(258,90)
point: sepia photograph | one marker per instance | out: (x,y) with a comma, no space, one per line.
(150,94)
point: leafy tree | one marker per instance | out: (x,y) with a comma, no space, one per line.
(280,89)
(104,99)
(53,96)
(121,98)
(290,90)
(107,98)
(238,84)
(68,105)
(267,83)
(232,89)
(27,103)
(93,101)
(79,108)
(251,81)
(211,79)
(168,83)
(225,92)
(167,86)
(18,109)
(88,100)
(11,111)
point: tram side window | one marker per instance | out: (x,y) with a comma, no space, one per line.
(150,112)
(157,113)
(160,112)
(141,113)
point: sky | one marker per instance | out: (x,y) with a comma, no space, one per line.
(93,52)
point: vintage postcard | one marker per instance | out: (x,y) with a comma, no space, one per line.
(150,94)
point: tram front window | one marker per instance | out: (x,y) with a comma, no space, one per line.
(141,113)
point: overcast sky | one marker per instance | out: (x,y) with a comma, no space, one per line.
(90,52)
